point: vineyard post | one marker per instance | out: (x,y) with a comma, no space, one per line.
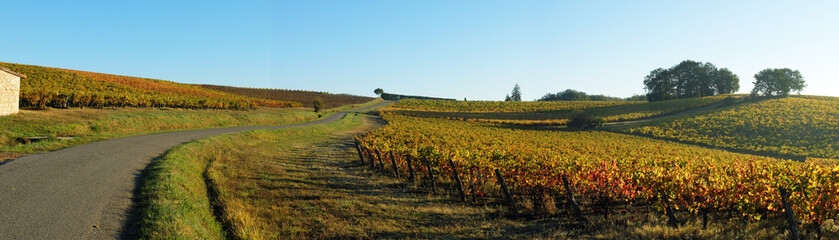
(430,174)
(793,227)
(507,196)
(457,181)
(358,149)
(575,208)
(379,156)
(410,168)
(393,161)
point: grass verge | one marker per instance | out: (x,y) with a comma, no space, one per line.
(88,125)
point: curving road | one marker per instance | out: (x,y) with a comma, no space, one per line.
(85,192)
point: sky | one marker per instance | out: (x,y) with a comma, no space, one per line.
(476,50)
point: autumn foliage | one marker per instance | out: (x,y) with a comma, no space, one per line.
(328,100)
(609,167)
(53,87)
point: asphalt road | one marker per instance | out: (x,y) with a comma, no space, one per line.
(85,192)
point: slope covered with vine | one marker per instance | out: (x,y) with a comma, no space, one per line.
(54,87)
(305,97)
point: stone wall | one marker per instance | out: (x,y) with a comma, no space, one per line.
(9,93)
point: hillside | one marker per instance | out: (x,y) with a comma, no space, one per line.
(305,97)
(54,87)
(550,112)
(796,126)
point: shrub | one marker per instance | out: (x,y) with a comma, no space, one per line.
(583,120)
(318,104)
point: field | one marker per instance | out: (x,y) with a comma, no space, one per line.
(307,183)
(550,113)
(305,97)
(793,127)
(605,168)
(61,88)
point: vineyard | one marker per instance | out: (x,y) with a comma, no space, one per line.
(550,113)
(51,87)
(601,169)
(804,126)
(305,97)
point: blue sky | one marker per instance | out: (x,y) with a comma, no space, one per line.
(454,49)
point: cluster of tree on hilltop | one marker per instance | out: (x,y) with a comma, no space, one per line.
(698,79)
(690,79)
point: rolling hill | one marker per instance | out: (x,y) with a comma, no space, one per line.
(792,127)
(55,87)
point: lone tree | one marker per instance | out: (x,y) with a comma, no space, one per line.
(689,79)
(778,82)
(515,95)
(378,91)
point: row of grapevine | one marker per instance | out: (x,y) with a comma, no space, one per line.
(41,99)
(607,167)
(306,97)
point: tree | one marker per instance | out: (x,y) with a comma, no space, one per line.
(689,79)
(778,82)
(378,91)
(516,95)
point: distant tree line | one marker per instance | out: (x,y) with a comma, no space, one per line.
(574,95)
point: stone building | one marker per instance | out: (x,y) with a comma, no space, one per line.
(9,91)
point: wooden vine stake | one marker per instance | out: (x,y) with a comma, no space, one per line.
(507,196)
(575,208)
(358,149)
(379,156)
(430,174)
(793,227)
(393,162)
(457,181)
(410,168)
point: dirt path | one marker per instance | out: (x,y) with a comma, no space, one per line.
(85,192)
